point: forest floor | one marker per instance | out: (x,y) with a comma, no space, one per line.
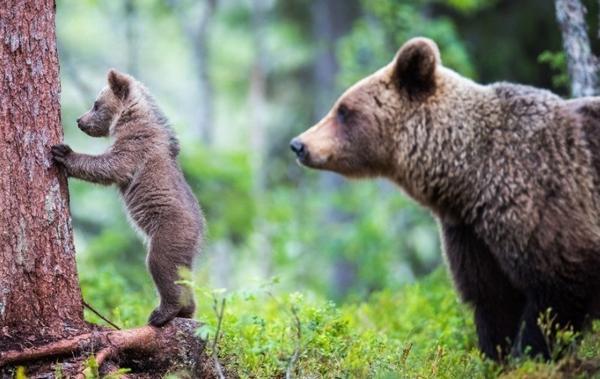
(419,330)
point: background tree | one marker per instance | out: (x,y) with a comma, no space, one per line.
(195,19)
(582,63)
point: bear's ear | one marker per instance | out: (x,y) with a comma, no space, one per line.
(414,67)
(119,83)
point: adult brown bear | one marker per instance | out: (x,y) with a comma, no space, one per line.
(512,174)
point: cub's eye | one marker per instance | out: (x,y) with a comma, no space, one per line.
(96,106)
(343,114)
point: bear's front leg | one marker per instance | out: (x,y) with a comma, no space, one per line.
(481,283)
(104,169)
(547,311)
(61,153)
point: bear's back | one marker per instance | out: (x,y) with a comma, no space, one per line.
(586,113)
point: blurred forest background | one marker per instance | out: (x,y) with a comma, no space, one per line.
(238,79)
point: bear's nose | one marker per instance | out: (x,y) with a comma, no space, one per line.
(79,121)
(298,148)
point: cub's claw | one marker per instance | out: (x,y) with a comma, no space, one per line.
(61,152)
(161,315)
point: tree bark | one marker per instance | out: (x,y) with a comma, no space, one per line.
(39,289)
(41,311)
(582,64)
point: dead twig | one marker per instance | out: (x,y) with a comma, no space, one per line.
(219,311)
(294,357)
(99,315)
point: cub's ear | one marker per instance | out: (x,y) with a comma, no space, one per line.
(119,83)
(414,67)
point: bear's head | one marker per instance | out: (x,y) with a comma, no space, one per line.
(364,134)
(109,105)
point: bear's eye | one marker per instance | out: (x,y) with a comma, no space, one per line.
(343,114)
(96,106)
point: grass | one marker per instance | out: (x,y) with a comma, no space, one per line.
(420,331)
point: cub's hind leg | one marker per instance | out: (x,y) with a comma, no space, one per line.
(165,260)
(189,306)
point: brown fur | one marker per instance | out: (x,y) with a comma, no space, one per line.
(142,163)
(511,172)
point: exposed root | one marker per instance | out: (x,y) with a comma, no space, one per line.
(61,347)
(159,345)
(143,338)
(105,354)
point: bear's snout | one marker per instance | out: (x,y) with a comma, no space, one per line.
(298,148)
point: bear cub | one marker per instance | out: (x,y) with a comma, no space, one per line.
(142,163)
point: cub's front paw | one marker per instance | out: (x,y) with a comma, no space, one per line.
(162,315)
(61,152)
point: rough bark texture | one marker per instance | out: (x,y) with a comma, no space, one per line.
(37,256)
(582,64)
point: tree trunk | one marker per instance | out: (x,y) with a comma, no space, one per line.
(582,64)
(132,37)
(257,95)
(37,255)
(196,28)
(257,101)
(41,312)
(330,20)
(205,86)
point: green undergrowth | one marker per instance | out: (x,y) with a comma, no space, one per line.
(421,331)
(418,331)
